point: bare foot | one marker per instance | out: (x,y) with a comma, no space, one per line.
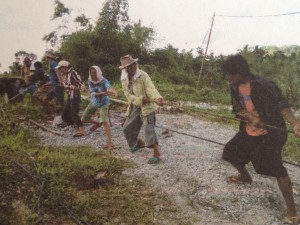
(108,146)
(294,220)
(239,179)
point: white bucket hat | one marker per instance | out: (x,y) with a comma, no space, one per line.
(63,63)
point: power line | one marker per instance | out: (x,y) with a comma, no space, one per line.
(273,15)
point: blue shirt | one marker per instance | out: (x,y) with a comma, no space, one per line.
(52,75)
(103,86)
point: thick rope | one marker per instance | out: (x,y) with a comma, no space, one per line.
(215,142)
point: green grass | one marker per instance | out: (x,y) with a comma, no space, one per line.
(42,184)
(64,177)
(173,92)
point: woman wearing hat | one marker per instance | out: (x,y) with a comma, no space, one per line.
(143,99)
(73,84)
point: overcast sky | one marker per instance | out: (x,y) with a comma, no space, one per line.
(182,23)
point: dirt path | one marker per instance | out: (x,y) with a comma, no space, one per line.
(193,174)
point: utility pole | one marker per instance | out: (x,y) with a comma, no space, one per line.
(203,59)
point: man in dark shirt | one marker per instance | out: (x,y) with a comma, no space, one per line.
(262,134)
(38,76)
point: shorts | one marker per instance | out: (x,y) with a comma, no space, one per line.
(90,111)
(263,151)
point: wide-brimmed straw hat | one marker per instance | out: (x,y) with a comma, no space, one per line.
(50,55)
(127,60)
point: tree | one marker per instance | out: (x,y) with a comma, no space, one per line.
(15,68)
(114,15)
(112,37)
(141,36)
(83,22)
(60,10)
(21,55)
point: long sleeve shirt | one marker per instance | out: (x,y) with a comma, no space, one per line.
(52,75)
(142,86)
(75,80)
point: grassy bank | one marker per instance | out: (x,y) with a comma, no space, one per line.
(80,184)
(69,185)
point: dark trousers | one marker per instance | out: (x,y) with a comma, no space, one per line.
(263,151)
(71,111)
(58,93)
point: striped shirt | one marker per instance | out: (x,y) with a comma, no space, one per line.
(75,80)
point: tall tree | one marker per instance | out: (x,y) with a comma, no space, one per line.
(15,68)
(114,15)
(112,37)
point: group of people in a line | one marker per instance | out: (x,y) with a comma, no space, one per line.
(138,88)
(257,102)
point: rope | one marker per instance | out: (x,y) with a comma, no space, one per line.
(205,139)
(215,142)
(240,120)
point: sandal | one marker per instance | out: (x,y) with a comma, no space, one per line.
(237,179)
(78,134)
(291,220)
(63,125)
(153,160)
(140,144)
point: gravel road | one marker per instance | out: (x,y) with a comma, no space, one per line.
(192,173)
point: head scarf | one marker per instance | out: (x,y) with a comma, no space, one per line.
(99,75)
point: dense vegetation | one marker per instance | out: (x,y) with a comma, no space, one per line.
(115,35)
(41,184)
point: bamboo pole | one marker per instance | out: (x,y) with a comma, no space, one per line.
(203,59)
(45,128)
(119,101)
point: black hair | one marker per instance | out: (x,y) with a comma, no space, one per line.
(38,64)
(236,64)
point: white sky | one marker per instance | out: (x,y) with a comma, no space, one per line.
(182,23)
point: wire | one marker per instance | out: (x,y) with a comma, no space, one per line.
(283,14)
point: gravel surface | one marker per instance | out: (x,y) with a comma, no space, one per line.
(192,173)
